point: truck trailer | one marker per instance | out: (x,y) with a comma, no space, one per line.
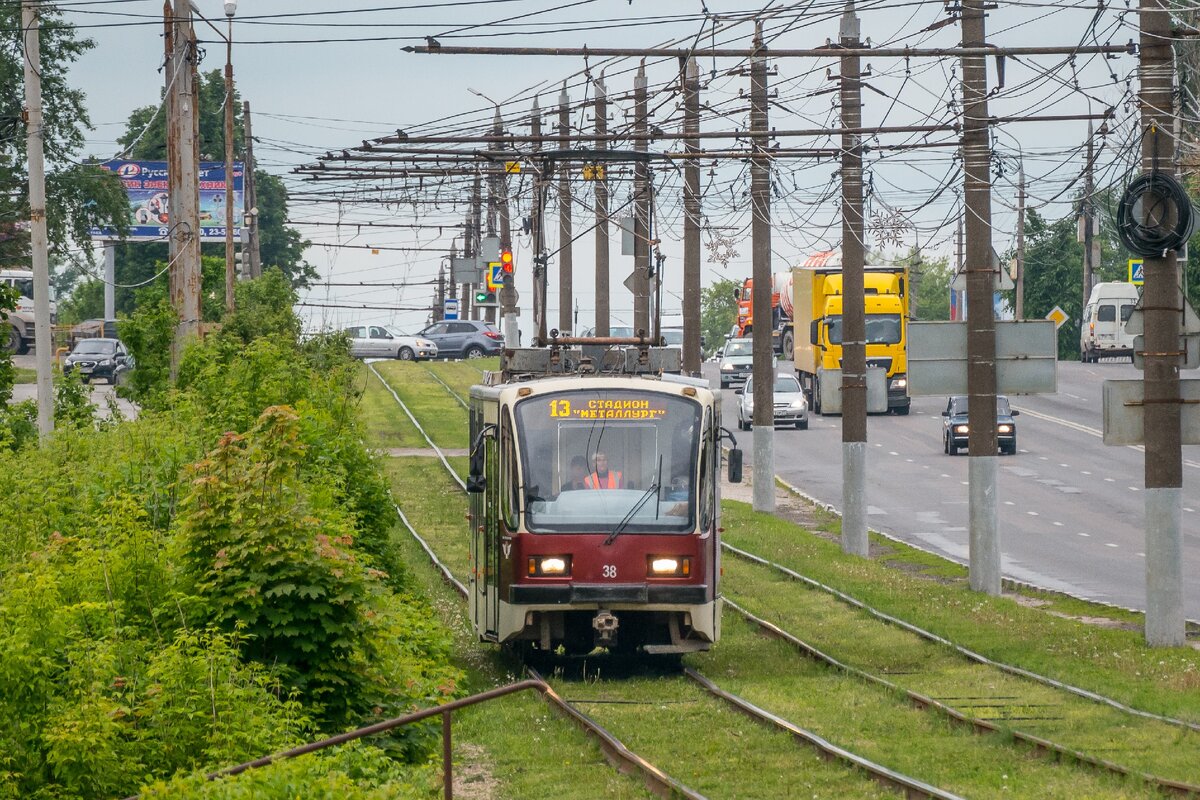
(817,327)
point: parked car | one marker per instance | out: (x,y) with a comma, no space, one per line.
(98,358)
(737,362)
(615,331)
(955,430)
(791,406)
(379,342)
(464,338)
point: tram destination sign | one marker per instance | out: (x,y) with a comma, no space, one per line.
(639,408)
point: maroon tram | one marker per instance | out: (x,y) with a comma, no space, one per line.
(595,510)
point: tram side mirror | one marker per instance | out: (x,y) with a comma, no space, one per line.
(735,465)
(476,479)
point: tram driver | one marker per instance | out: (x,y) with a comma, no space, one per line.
(602,477)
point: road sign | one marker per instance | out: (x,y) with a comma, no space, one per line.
(512,167)
(1002,281)
(450,308)
(1026,357)
(1057,316)
(1124,412)
(495,276)
(1135,272)
(593,172)
(465,270)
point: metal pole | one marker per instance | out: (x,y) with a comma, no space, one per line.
(641,209)
(1161,303)
(110,279)
(984,567)
(229,261)
(565,258)
(447,758)
(691,220)
(764,355)
(254,261)
(508,292)
(38,235)
(1020,311)
(854,325)
(602,304)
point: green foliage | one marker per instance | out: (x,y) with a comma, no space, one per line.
(149,333)
(72,402)
(263,307)
(931,286)
(718,311)
(1054,275)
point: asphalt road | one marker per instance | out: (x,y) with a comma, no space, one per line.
(100,394)
(1070,509)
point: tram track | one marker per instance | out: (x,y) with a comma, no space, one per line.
(1040,744)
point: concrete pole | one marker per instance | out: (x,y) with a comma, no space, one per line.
(110,280)
(854,324)
(1089,217)
(760,228)
(566,273)
(1161,301)
(38,235)
(691,220)
(602,300)
(641,208)
(230,276)
(1020,310)
(984,566)
(540,283)
(508,292)
(254,260)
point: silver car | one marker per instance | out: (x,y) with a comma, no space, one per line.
(376,341)
(737,361)
(791,406)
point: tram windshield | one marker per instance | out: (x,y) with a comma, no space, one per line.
(600,460)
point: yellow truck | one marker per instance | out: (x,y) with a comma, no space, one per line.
(817,309)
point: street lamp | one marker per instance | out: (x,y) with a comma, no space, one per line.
(230,10)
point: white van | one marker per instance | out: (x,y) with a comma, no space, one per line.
(1102,333)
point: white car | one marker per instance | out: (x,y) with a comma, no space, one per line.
(376,341)
(791,406)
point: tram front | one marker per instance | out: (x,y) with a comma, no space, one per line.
(606,531)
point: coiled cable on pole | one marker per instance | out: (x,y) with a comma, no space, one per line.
(1148,230)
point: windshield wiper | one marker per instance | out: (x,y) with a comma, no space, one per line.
(624,523)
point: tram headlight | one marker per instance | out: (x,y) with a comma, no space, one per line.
(549,565)
(669,566)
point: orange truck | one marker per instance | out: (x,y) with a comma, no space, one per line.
(782,337)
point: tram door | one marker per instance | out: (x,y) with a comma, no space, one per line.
(487,555)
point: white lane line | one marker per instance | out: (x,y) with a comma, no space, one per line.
(909,460)
(1084,472)
(1058,524)
(1032,513)
(1099,434)
(1110,544)
(893,453)
(1134,489)
(944,475)
(1084,535)
(1140,555)
(1189,510)
(1111,480)
(1042,458)
(1064,465)
(1009,503)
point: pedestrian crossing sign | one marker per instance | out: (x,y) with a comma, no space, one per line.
(1135,271)
(495,276)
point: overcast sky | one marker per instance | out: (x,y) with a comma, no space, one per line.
(324,76)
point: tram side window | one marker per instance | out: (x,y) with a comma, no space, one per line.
(509,484)
(708,470)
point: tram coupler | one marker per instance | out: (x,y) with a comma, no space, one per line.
(605,624)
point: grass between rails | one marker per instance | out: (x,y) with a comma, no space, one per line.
(387,423)
(977,690)
(443,419)
(460,376)
(1112,662)
(880,725)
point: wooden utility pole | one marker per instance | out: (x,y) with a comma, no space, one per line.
(641,208)
(38,234)
(1162,302)
(1090,243)
(984,568)
(601,184)
(230,277)
(1020,310)
(691,220)
(854,324)
(760,228)
(184,193)
(566,288)
(475,229)
(439,299)
(537,231)
(254,254)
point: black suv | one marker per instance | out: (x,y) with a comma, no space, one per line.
(98,358)
(464,338)
(955,431)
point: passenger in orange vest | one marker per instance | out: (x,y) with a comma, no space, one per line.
(602,477)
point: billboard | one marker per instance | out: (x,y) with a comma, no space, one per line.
(146,187)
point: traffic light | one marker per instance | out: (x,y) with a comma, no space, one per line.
(485,297)
(506,261)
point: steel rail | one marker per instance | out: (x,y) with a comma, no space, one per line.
(890,778)
(969,654)
(447,575)
(446,386)
(1039,744)
(442,456)
(615,750)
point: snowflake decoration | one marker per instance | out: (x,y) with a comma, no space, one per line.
(889,227)
(720,249)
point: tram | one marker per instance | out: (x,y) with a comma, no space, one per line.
(595,504)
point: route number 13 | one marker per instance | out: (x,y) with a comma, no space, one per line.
(560,408)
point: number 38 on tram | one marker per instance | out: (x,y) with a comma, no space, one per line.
(595,514)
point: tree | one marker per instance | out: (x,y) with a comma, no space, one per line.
(83,195)
(145,138)
(718,310)
(1054,276)
(930,286)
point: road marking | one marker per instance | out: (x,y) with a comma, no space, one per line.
(1111,480)
(1110,544)
(965,483)
(1141,555)
(894,453)
(1064,465)
(1032,513)
(1189,510)
(909,460)
(1133,489)
(1084,472)
(1085,535)
(1042,458)
(1099,434)
(1058,524)
(944,475)
(1009,503)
